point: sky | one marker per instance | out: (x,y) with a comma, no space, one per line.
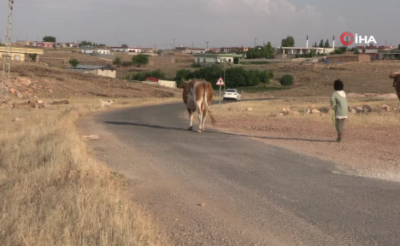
(160,23)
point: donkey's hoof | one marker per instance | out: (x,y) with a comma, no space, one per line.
(200,130)
(190,128)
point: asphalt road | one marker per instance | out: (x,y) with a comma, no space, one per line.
(252,193)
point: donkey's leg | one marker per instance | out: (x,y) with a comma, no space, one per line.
(190,119)
(204,120)
(200,121)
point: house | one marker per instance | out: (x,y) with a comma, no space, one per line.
(102,51)
(118,49)
(348,58)
(293,51)
(67,45)
(23,43)
(87,50)
(233,49)
(193,50)
(133,50)
(211,58)
(106,71)
(48,45)
(22,54)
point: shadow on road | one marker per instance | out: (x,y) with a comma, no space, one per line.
(215,132)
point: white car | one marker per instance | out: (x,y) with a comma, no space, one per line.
(232,94)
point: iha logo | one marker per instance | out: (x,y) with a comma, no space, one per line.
(348,38)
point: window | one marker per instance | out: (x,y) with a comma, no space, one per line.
(204,60)
(198,59)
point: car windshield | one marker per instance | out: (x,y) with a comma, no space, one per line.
(230,90)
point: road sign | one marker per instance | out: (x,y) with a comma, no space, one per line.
(220,82)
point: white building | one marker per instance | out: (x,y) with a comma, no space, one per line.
(305,50)
(102,51)
(106,71)
(118,49)
(133,50)
(211,58)
(87,50)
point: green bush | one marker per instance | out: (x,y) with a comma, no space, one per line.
(117,61)
(143,75)
(235,77)
(74,62)
(287,80)
(140,60)
(181,75)
(196,65)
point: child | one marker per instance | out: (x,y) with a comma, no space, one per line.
(339,105)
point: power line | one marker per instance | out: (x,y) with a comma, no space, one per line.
(5,80)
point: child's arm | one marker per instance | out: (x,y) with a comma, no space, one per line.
(333,100)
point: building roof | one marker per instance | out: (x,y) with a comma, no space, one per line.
(305,48)
(24,50)
(218,55)
(93,67)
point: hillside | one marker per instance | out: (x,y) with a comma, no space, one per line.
(39,80)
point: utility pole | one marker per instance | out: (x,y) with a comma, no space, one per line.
(5,79)
(255,42)
(173,43)
(207,44)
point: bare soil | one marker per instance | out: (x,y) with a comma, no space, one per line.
(48,82)
(317,80)
(367,150)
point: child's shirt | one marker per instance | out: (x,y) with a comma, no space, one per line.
(339,100)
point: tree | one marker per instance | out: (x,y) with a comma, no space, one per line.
(235,76)
(355,51)
(321,44)
(50,39)
(140,60)
(287,80)
(33,57)
(398,47)
(288,42)
(327,43)
(117,61)
(265,51)
(124,46)
(315,45)
(74,62)
(85,43)
(181,75)
(269,50)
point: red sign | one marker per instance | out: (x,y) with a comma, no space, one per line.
(347,38)
(220,82)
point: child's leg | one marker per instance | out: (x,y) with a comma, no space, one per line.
(339,126)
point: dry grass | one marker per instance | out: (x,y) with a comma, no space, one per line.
(54,193)
(269,109)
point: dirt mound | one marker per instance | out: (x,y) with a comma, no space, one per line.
(29,80)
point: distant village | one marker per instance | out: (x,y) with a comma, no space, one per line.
(34,51)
